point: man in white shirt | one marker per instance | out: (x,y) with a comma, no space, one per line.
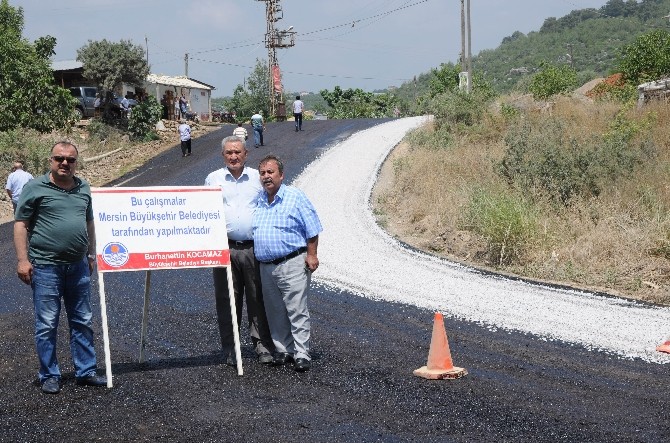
(241,188)
(185,138)
(298,107)
(15,182)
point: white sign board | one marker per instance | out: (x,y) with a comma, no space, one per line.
(159,227)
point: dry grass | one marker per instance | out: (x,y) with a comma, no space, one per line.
(618,242)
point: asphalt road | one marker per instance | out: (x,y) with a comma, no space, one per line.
(360,389)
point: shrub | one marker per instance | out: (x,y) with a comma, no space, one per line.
(506,221)
(549,161)
(552,80)
(144,117)
(27,145)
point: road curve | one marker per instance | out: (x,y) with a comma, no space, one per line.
(357,255)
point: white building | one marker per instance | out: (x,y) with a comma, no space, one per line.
(198,94)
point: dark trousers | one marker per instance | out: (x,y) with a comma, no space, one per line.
(186,147)
(246,281)
(298,120)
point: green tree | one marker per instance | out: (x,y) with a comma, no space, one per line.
(29,98)
(647,58)
(552,80)
(256,97)
(143,119)
(110,64)
(356,103)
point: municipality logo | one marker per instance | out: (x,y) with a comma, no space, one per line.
(115,254)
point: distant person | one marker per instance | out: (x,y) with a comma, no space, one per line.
(396,112)
(241,188)
(184,137)
(97,104)
(298,108)
(125,107)
(54,237)
(240,132)
(183,106)
(177,109)
(286,231)
(15,182)
(165,106)
(258,126)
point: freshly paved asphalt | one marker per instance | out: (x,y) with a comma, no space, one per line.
(361,387)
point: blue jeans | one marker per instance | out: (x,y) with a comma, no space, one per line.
(258,136)
(72,283)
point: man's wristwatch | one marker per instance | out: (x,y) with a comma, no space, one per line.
(91,256)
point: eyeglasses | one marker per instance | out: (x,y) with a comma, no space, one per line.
(60,159)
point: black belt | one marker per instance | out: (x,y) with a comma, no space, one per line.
(240,243)
(281,260)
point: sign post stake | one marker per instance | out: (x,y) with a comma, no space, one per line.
(105,330)
(233,315)
(145,315)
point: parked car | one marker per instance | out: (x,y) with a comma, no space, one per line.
(86,96)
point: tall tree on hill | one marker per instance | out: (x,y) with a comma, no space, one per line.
(29,97)
(111,64)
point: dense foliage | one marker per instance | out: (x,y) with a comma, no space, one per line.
(588,40)
(110,64)
(144,117)
(647,58)
(356,103)
(552,80)
(29,98)
(253,96)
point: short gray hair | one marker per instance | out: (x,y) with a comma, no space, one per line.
(232,139)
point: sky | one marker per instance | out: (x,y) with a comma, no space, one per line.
(367,44)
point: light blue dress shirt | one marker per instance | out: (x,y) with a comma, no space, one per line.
(240,197)
(285,225)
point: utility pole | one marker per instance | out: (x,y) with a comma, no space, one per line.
(572,63)
(469,48)
(466,57)
(146,45)
(186,64)
(276,39)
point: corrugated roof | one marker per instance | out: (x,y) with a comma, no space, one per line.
(66,65)
(180,81)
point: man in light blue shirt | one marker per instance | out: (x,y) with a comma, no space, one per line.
(241,188)
(286,236)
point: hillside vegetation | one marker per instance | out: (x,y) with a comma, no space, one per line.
(551,185)
(593,37)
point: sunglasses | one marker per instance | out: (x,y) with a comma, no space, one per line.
(60,159)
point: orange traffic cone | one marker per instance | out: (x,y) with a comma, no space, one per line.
(439,365)
(665,347)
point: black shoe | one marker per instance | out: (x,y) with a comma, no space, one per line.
(51,385)
(296,129)
(231,360)
(265,358)
(281,358)
(92,380)
(302,365)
